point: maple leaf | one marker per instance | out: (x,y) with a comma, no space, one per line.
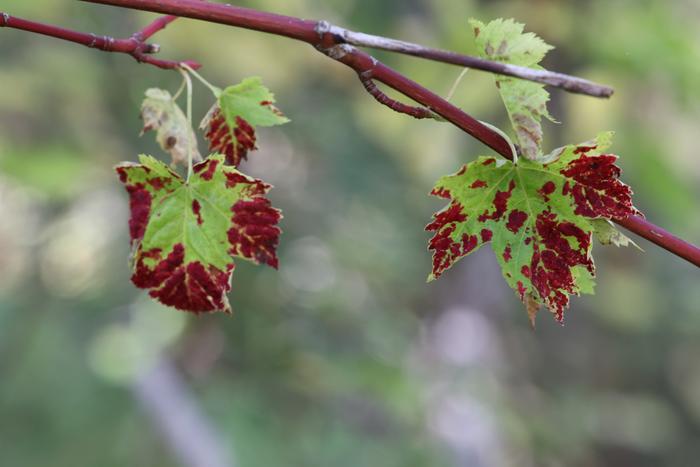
(230,123)
(184,234)
(174,134)
(539,219)
(504,41)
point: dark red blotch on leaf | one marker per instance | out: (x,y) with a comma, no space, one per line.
(445,250)
(516,219)
(140,205)
(500,203)
(197,210)
(550,267)
(206,169)
(547,189)
(597,190)
(188,287)
(255,234)
(234,143)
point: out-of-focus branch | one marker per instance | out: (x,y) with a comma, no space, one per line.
(164,397)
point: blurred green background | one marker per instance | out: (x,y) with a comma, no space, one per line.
(345,356)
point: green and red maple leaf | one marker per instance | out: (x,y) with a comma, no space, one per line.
(185,234)
(540,219)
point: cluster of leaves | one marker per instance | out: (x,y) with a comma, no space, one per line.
(538,211)
(185,232)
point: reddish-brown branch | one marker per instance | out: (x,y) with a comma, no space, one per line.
(134,46)
(304,30)
(156,25)
(367,65)
(336,47)
(662,237)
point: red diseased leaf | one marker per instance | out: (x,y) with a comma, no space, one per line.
(184,234)
(230,124)
(539,219)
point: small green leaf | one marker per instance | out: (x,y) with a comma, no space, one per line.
(526,101)
(160,112)
(230,123)
(608,234)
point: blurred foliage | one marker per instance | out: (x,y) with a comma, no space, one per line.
(345,356)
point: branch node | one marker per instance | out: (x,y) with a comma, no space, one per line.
(323,27)
(337,52)
(338,34)
(5,19)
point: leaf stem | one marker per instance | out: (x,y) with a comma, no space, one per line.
(180,89)
(513,150)
(455,84)
(188,81)
(215,90)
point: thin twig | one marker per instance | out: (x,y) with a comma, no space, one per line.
(365,64)
(134,46)
(157,25)
(559,80)
(396,106)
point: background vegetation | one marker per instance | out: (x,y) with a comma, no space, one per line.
(345,356)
